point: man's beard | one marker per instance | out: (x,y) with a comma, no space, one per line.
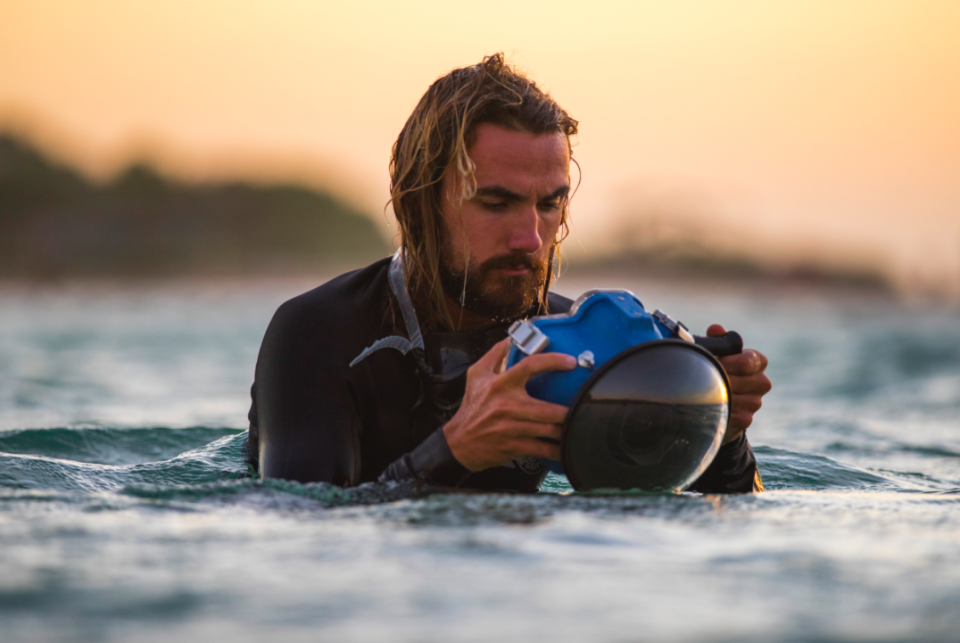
(486,292)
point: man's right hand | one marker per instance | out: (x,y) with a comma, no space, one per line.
(498,421)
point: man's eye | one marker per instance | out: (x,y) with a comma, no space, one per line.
(550,205)
(495,206)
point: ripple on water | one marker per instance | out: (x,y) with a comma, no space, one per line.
(113,532)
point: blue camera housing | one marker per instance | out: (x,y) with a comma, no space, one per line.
(599,325)
(604,322)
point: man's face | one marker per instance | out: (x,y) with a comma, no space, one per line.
(497,245)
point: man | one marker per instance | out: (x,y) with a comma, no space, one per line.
(394,371)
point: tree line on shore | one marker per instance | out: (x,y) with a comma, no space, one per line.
(56,223)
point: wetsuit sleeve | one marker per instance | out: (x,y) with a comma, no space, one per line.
(432,461)
(733,470)
(306,416)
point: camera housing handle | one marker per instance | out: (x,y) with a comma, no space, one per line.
(729,343)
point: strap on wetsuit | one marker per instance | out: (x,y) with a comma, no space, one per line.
(398,286)
(432,460)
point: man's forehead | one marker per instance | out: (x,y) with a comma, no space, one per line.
(502,154)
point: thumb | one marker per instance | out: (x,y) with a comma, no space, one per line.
(495,356)
(716,330)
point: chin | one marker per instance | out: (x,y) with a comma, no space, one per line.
(513,297)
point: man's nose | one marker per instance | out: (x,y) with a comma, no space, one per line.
(525,235)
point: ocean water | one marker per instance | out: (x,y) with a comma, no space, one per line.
(126,514)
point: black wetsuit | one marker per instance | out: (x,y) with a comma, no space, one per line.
(316,418)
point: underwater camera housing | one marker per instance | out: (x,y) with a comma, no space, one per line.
(649,403)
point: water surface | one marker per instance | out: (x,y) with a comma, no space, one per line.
(126,513)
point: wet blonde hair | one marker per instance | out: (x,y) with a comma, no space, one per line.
(435,139)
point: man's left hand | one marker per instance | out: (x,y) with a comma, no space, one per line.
(748,384)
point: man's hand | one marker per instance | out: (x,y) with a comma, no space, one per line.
(748,384)
(498,421)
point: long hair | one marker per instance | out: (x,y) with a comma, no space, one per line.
(434,139)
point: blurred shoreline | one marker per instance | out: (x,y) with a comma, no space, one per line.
(144,230)
(713,272)
(58,224)
(573,281)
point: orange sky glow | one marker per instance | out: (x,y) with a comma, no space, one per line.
(813,131)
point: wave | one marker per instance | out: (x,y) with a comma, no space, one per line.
(207,462)
(103,445)
(217,460)
(783,469)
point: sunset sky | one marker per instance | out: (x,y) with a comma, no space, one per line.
(805,131)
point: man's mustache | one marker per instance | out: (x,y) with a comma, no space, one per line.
(513,261)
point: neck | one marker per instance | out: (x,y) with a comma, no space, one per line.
(465,320)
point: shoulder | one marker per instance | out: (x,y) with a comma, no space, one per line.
(344,299)
(344,314)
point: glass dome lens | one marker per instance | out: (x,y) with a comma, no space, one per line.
(652,419)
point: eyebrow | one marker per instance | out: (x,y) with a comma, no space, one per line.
(500,192)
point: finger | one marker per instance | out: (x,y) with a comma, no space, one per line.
(539,449)
(745,404)
(526,368)
(716,330)
(528,409)
(521,430)
(758,384)
(494,356)
(747,363)
(738,423)
(528,430)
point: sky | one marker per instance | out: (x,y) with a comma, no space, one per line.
(788,132)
